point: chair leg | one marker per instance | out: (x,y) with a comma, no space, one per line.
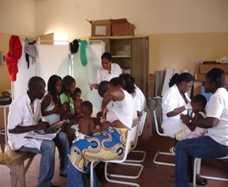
(13,176)
(196,169)
(109,179)
(28,164)
(143,153)
(91,174)
(21,174)
(140,166)
(215,178)
(155,161)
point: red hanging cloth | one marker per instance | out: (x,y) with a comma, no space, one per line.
(13,55)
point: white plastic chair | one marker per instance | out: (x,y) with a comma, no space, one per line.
(140,126)
(158,153)
(196,171)
(115,178)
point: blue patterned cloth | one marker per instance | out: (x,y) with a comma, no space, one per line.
(106,145)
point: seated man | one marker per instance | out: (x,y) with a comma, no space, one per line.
(215,143)
(25,116)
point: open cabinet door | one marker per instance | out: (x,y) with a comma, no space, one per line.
(140,62)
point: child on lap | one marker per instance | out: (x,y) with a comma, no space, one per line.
(198,103)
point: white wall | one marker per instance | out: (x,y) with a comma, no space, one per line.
(149,16)
(17,17)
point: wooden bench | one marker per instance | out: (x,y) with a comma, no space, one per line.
(15,161)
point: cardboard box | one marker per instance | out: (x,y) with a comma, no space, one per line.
(100,27)
(121,27)
(204,68)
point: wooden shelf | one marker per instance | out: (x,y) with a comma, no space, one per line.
(121,56)
(117,37)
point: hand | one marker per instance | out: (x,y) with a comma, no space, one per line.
(188,106)
(42,125)
(93,86)
(57,109)
(185,119)
(104,112)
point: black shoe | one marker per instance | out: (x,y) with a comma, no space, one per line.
(201,181)
(62,174)
(54,185)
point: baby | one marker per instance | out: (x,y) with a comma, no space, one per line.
(198,104)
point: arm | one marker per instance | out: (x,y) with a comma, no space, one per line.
(112,95)
(20,129)
(107,124)
(199,121)
(205,123)
(44,104)
(93,86)
(176,111)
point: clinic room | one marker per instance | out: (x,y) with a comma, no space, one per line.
(113,93)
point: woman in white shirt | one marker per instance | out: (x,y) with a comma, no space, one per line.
(175,102)
(109,143)
(108,70)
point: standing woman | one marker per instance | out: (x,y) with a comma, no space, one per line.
(110,142)
(108,70)
(51,106)
(175,102)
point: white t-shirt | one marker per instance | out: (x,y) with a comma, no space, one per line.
(22,113)
(140,100)
(104,75)
(122,110)
(171,100)
(217,107)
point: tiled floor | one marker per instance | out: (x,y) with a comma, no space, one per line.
(152,176)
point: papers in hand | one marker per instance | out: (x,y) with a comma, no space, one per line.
(41,136)
(48,134)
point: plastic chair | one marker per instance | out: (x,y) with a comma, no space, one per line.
(140,123)
(196,171)
(116,178)
(158,153)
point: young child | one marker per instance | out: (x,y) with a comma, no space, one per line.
(86,123)
(198,104)
(66,99)
(77,101)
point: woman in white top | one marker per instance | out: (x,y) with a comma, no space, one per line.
(175,102)
(108,70)
(110,142)
(50,106)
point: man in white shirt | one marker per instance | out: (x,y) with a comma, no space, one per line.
(215,143)
(25,116)
(108,70)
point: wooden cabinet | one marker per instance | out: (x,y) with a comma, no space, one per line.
(132,54)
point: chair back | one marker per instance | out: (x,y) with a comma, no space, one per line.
(131,136)
(141,123)
(156,123)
